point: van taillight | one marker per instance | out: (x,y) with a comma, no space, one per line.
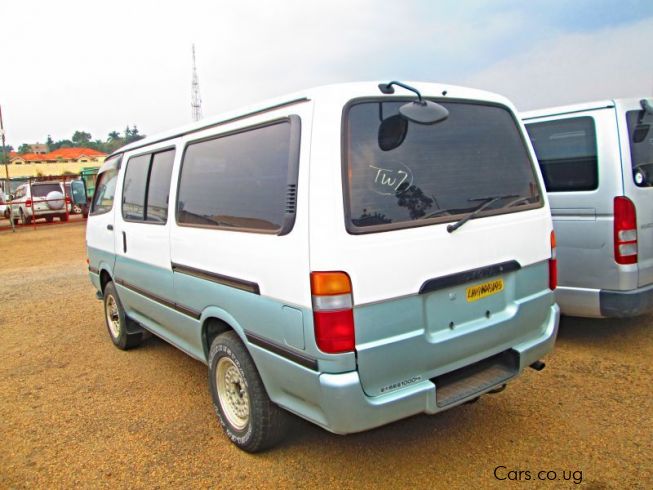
(625,231)
(333,316)
(28,203)
(553,264)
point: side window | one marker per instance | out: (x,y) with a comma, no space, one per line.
(147,187)
(105,189)
(243,181)
(133,191)
(566,151)
(158,188)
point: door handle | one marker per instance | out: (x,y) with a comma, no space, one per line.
(110,227)
(124,242)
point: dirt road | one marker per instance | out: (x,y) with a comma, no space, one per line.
(76,411)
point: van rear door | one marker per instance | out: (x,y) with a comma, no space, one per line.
(636,134)
(428,299)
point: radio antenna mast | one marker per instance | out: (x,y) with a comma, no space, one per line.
(196,100)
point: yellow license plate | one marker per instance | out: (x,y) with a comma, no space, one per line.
(479,291)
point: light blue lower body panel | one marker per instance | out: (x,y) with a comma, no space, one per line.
(338,403)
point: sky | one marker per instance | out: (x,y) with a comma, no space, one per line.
(99,66)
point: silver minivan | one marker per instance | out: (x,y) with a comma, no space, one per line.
(597,163)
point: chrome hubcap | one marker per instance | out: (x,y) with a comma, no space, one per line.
(113,316)
(232,393)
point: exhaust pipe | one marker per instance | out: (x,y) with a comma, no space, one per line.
(538,365)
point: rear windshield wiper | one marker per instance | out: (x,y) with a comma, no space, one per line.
(487,201)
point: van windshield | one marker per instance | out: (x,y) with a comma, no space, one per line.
(438,173)
(640,136)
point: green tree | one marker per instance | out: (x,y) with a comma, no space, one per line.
(81,138)
(24,148)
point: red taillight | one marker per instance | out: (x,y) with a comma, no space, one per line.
(553,264)
(67,199)
(334,330)
(28,203)
(333,316)
(625,231)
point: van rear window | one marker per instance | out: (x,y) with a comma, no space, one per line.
(640,136)
(439,172)
(566,150)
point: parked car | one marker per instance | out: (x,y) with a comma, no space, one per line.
(40,200)
(349,254)
(597,163)
(4,208)
(76,190)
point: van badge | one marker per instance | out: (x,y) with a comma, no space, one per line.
(401,384)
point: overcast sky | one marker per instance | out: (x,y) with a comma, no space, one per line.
(98,66)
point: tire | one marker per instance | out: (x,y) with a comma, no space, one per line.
(246,413)
(63,217)
(116,320)
(49,219)
(26,220)
(55,200)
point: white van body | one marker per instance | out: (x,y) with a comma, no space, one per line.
(592,156)
(439,317)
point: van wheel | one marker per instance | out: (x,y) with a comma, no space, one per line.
(116,320)
(246,413)
(63,217)
(49,219)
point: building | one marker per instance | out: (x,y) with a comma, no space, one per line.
(39,148)
(57,162)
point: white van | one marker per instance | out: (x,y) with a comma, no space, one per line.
(353,254)
(597,163)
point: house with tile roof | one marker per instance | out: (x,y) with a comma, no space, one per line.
(57,162)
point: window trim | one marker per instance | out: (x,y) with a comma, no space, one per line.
(106,166)
(352,229)
(596,150)
(151,153)
(292,179)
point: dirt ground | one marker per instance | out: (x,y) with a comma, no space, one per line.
(77,412)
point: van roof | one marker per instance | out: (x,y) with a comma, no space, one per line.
(342,91)
(581,107)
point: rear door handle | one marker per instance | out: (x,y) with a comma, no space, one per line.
(110,227)
(124,242)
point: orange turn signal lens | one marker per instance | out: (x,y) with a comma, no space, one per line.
(330,283)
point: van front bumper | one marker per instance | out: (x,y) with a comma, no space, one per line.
(623,304)
(341,406)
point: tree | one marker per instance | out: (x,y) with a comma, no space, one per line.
(132,134)
(49,142)
(81,138)
(24,148)
(113,135)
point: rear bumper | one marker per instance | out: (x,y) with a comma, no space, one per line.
(341,406)
(605,303)
(623,304)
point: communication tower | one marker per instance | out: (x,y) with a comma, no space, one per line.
(196,100)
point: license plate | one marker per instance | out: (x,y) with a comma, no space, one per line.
(474,293)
